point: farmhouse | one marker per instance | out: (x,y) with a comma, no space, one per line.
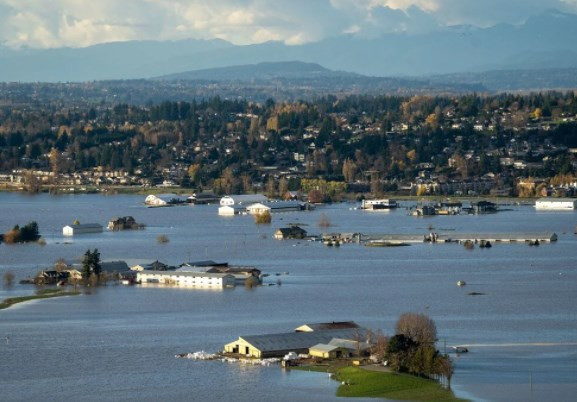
(292,232)
(84,228)
(567,204)
(123,223)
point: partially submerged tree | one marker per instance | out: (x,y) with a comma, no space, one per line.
(8,279)
(324,221)
(91,264)
(413,350)
(262,218)
(420,328)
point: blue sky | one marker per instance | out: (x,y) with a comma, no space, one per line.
(77,23)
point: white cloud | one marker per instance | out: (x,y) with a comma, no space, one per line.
(53,23)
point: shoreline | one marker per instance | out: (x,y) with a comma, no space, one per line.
(44,294)
(348,197)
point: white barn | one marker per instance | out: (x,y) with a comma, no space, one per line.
(379,204)
(242,199)
(83,228)
(185,278)
(566,204)
(230,210)
(279,206)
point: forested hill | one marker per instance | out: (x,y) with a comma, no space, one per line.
(260,71)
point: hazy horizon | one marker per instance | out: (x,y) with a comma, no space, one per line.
(68,23)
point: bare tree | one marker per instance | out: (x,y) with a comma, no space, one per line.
(418,327)
(380,343)
(60,265)
(324,221)
(8,279)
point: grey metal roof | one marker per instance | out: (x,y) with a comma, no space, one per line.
(300,340)
(114,266)
(86,226)
(278,204)
(184,273)
(323,347)
(322,326)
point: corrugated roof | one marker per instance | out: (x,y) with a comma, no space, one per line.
(300,340)
(322,326)
(86,226)
(323,347)
(184,273)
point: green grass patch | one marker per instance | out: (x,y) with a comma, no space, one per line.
(42,294)
(374,384)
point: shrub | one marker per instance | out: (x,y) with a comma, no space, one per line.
(8,279)
(162,239)
(324,222)
(262,218)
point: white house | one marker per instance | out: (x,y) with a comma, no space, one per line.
(83,228)
(564,204)
(242,199)
(184,278)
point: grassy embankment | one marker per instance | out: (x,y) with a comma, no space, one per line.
(43,294)
(362,383)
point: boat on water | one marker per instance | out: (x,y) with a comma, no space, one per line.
(460,349)
(385,243)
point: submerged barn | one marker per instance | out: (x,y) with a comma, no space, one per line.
(277,345)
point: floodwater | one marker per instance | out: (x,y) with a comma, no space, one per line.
(118,343)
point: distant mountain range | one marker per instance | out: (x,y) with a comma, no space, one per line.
(261,71)
(546,41)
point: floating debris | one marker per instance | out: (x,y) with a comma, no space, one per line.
(201,355)
(252,362)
